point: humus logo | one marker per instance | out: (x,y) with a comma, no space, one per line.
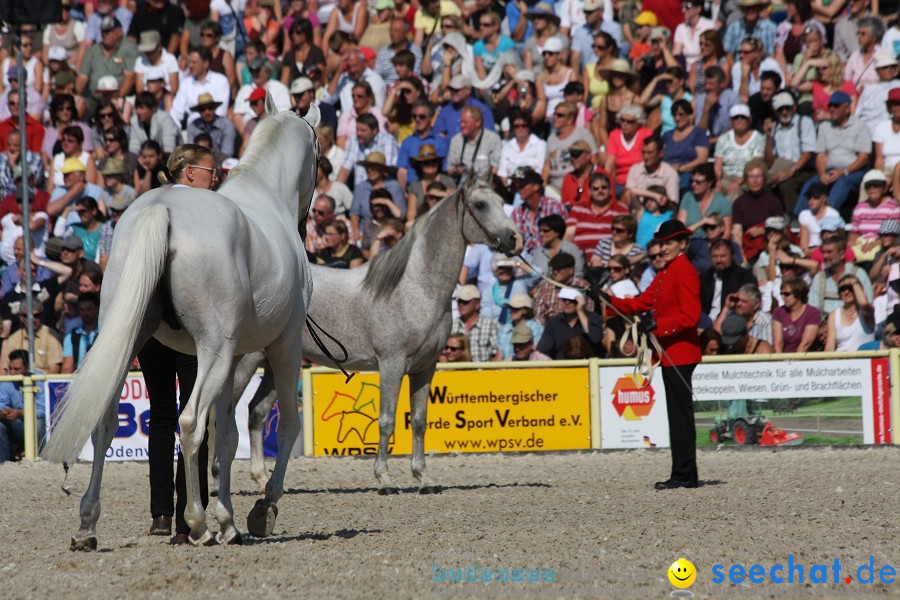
(631,399)
(682,575)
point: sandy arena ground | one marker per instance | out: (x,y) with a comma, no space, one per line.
(592,517)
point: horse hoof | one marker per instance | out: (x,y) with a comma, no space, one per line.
(233,538)
(388,491)
(236,540)
(430,489)
(261,520)
(207,539)
(87,544)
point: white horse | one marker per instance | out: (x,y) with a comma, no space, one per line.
(218,275)
(393,316)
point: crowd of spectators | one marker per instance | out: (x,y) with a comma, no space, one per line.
(771,130)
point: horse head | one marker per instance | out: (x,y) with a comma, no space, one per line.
(485,221)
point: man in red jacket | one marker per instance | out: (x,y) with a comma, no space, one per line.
(674,298)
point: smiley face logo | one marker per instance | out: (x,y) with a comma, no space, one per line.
(682,573)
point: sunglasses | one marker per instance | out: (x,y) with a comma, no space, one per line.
(619,230)
(520,126)
(561,115)
(786,294)
(448,26)
(252,103)
(627,121)
(105,115)
(433,198)
(597,188)
(697,181)
(420,117)
(709,226)
(464,301)
(316,211)
(212,35)
(600,47)
(576,153)
(487,24)
(616,269)
(545,230)
(845,288)
(567,301)
(654,256)
(110,139)
(449,348)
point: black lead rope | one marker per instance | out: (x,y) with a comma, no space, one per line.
(310,322)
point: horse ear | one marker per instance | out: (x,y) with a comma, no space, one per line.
(270,104)
(313,116)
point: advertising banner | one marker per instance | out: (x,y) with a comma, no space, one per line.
(130,442)
(502,410)
(843,398)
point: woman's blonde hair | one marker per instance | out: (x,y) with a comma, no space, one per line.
(466,354)
(182,157)
(837,69)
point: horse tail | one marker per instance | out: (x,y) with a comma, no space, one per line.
(98,381)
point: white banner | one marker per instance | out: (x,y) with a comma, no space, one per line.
(635,417)
(130,442)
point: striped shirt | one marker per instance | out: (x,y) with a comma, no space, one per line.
(867,218)
(384,65)
(590,228)
(526,220)
(383,142)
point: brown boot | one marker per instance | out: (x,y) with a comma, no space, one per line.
(162,525)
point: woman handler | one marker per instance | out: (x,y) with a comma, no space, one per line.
(193,166)
(674,298)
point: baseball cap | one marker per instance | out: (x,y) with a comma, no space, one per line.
(782,99)
(776,222)
(832,224)
(525,301)
(733,327)
(874,176)
(894,95)
(109,23)
(257,94)
(72,242)
(57,53)
(521,334)
(554,44)
(839,98)
(646,18)
(150,41)
(72,165)
(468,292)
(301,84)
(739,110)
(527,175)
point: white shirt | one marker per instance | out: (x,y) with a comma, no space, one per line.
(806,219)
(190,89)
(690,40)
(534,155)
(716,307)
(884,134)
(767,64)
(281,95)
(344,92)
(871,108)
(167,62)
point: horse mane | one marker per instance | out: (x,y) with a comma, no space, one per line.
(386,270)
(263,136)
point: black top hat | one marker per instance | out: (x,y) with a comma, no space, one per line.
(671,230)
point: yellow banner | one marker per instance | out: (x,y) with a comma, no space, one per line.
(506,410)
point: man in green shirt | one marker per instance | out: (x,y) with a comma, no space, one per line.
(115,56)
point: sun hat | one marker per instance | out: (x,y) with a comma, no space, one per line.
(646,17)
(592,5)
(525,301)
(739,110)
(301,85)
(120,202)
(113,166)
(554,45)
(72,165)
(426,153)
(620,66)
(543,10)
(150,41)
(884,58)
(203,100)
(468,292)
(521,334)
(376,160)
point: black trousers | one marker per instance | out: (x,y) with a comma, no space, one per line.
(161,365)
(682,430)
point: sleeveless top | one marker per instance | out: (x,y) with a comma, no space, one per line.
(597,86)
(851,337)
(554,92)
(217,64)
(345,25)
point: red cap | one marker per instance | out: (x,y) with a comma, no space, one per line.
(368,53)
(257,94)
(894,95)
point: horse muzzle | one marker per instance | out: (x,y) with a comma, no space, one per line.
(511,243)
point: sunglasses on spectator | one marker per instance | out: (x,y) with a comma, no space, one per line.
(576,153)
(545,230)
(787,294)
(252,103)
(698,181)
(561,115)
(568,301)
(846,288)
(463,301)
(448,25)
(208,34)
(110,139)
(449,348)
(520,125)
(709,226)
(487,23)
(654,256)
(597,188)
(627,121)
(421,116)
(316,211)
(619,230)
(433,198)
(616,269)
(600,47)
(105,115)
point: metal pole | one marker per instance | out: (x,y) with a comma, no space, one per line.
(26,208)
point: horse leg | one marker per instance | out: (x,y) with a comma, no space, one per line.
(212,443)
(419,388)
(285,359)
(86,538)
(259,409)
(226,445)
(391,375)
(244,372)
(212,373)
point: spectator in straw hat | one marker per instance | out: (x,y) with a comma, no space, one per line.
(379,176)
(427,169)
(220,129)
(200,80)
(521,312)
(115,175)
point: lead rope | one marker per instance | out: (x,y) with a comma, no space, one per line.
(310,323)
(644,365)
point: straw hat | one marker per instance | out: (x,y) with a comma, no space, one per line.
(620,66)
(72,165)
(376,160)
(113,166)
(426,153)
(543,10)
(205,99)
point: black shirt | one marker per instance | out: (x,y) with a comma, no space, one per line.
(45,294)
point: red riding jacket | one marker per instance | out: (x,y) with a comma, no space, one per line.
(674,297)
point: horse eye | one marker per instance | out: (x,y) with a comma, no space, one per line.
(480,206)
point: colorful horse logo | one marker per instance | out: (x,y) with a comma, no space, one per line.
(358,415)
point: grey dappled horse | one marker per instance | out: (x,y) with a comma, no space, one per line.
(216,274)
(393,316)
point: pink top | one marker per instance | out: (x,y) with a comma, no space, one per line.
(820,96)
(625,154)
